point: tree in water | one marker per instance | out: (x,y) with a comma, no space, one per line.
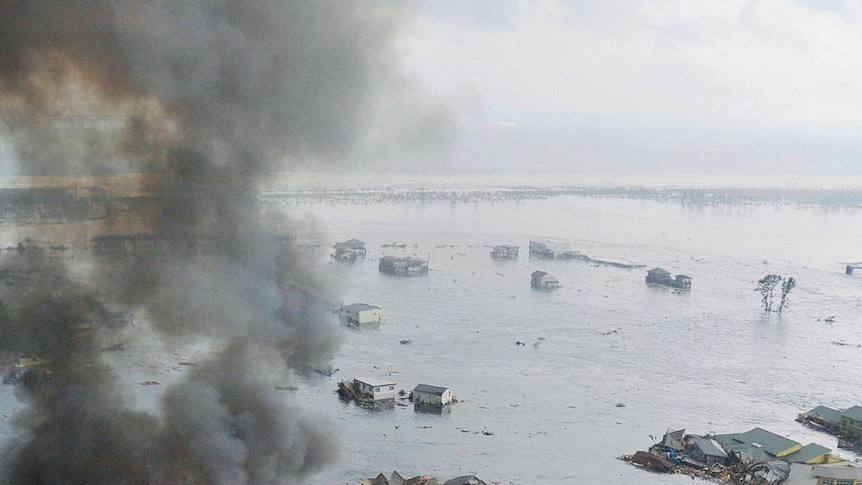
(786,285)
(767,285)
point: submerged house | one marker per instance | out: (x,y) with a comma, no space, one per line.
(505,252)
(429,395)
(376,389)
(659,276)
(408,266)
(540,250)
(543,281)
(361,313)
(349,250)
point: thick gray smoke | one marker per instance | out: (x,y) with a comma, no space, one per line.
(206,97)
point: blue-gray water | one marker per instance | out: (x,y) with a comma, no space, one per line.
(708,360)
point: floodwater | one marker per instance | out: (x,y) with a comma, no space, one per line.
(608,364)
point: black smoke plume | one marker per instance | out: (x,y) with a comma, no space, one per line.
(203,99)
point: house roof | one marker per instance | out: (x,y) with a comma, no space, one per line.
(430,389)
(807,453)
(808,474)
(840,471)
(658,270)
(359,307)
(854,412)
(758,438)
(831,416)
(374,382)
(465,480)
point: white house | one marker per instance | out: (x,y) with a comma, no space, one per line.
(377,389)
(361,313)
(432,395)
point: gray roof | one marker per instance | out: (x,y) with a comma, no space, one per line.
(374,382)
(709,447)
(855,413)
(658,270)
(832,416)
(465,480)
(430,389)
(359,307)
(840,472)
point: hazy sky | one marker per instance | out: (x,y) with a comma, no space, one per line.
(610,85)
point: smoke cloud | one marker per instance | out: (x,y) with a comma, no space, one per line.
(206,97)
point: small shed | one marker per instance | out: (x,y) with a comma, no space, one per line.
(543,281)
(361,313)
(377,389)
(431,395)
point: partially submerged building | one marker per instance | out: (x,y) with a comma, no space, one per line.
(361,313)
(847,423)
(349,250)
(407,266)
(376,389)
(428,395)
(505,252)
(661,277)
(543,281)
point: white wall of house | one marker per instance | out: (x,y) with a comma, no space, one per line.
(365,316)
(432,398)
(376,388)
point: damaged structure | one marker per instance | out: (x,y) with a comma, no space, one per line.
(407,266)
(846,424)
(756,456)
(361,314)
(349,250)
(661,277)
(541,280)
(368,391)
(505,252)
(397,479)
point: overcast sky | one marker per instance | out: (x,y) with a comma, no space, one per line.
(617,85)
